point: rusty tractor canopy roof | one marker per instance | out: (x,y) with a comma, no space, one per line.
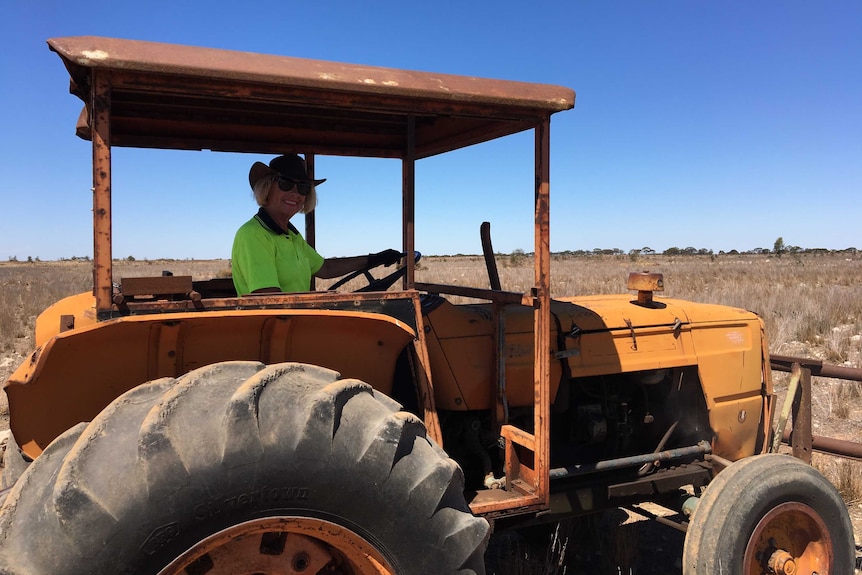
(183,97)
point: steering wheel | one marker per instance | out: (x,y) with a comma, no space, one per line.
(376,284)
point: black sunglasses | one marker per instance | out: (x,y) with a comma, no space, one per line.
(303,188)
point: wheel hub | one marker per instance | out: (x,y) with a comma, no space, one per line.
(789,540)
(782,563)
(281,546)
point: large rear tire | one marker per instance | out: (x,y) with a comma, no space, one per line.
(14,465)
(769,514)
(241,467)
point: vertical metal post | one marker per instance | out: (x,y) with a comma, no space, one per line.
(310,234)
(542,312)
(100,115)
(408,195)
(499,399)
(423,376)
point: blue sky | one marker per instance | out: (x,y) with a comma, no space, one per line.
(718,125)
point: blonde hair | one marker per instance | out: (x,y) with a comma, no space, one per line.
(263,186)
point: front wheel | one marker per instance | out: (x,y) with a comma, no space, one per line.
(769,514)
(243,468)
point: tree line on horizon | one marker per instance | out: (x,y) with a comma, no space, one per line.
(690,251)
(778,249)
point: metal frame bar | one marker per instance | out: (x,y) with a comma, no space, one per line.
(310,223)
(423,376)
(408,195)
(100,98)
(702,447)
(527,463)
(801,438)
(542,314)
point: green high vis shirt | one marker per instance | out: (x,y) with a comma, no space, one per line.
(264,255)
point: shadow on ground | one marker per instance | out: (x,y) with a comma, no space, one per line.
(608,543)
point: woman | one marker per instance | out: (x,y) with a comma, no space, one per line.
(269,254)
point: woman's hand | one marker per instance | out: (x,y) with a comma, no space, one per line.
(384,258)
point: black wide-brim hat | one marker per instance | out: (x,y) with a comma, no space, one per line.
(290,166)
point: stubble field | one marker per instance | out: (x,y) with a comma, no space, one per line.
(812,306)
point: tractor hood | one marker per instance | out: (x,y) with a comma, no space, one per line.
(615,334)
(611,312)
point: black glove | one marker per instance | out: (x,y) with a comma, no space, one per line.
(384,258)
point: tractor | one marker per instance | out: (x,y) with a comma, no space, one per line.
(166,425)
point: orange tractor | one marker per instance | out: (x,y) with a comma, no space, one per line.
(164,425)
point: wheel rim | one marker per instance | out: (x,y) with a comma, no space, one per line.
(281,546)
(791,539)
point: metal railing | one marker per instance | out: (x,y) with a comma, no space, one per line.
(800,436)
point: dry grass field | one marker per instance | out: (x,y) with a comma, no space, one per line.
(812,305)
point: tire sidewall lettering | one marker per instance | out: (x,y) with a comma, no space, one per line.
(251,501)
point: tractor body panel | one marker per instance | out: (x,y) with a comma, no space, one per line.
(76,373)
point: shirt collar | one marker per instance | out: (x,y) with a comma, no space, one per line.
(266,221)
